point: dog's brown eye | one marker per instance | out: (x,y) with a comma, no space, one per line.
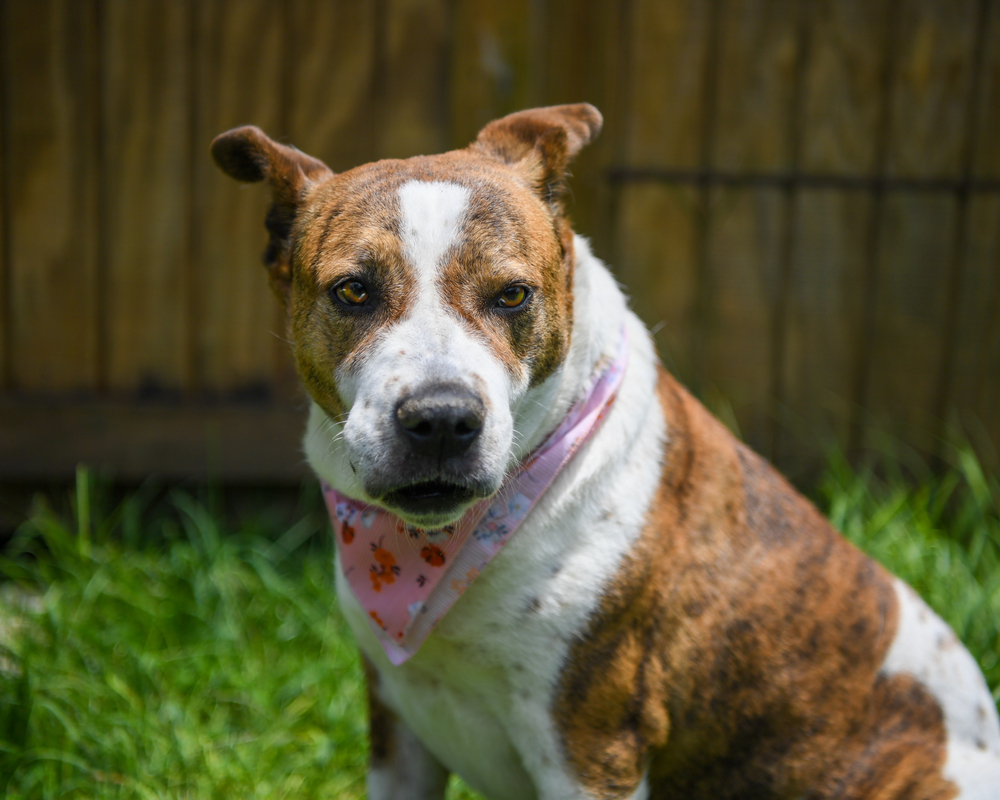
(512,297)
(352,293)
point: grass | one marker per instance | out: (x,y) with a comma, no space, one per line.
(172,658)
(165,653)
(941,534)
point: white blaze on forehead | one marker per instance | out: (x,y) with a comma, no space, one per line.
(431,216)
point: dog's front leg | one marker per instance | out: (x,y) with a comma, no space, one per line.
(399,766)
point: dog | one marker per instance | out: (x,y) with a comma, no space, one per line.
(670,619)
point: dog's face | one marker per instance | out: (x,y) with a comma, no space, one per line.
(433,302)
(427,298)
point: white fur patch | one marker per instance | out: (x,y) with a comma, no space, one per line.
(431,217)
(642,793)
(926,648)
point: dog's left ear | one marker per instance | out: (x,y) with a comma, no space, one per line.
(249,155)
(540,142)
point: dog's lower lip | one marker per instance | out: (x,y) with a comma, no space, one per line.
(429,497)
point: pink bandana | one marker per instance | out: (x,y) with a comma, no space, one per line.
(407,578)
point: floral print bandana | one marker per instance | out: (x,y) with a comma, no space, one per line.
(407,578)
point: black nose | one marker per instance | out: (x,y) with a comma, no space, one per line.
(441,421)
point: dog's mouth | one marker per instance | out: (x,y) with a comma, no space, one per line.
(430,498)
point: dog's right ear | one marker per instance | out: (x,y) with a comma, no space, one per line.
(249,155)
(540,142)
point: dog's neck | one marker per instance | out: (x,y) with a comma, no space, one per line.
(599,312)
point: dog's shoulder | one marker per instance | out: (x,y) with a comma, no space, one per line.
(743,628)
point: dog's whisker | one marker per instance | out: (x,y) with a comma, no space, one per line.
(281,338)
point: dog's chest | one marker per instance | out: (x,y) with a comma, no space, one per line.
(479,692)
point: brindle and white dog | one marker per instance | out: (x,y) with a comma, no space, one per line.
(672,620)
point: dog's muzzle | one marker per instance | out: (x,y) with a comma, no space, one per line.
(436,471)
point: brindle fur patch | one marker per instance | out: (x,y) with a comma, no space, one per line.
(737,653)
(508,240)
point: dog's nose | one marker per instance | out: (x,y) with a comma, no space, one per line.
(441,421)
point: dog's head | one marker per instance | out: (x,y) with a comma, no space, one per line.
(426,298)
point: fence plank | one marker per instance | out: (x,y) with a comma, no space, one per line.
(663,119)
(843,86)
(411,92)
(492,71)
(6,69)
(565,54)
(147,120)
(758,57)
(986,155)
(333,70)
(757,62)
(577,43)
(915,258)
(239,78)
(840,125)
(50,162)
(743,263)
(930,98)
(973,394)
(657,261)
(825,320)
(976,354)
(916,252)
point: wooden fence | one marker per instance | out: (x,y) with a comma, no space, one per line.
(802,197)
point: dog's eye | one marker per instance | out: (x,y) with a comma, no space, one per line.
(351,293)
(512,297)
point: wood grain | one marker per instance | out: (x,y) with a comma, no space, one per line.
(146,118)
(578,57)
(239,80)
(52,187)
(843,86)
(972,394)
(411,93)
(662,118)
(492,65)
(758,57)
(928,130)
(333,63)
(933,78)
(840,131)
